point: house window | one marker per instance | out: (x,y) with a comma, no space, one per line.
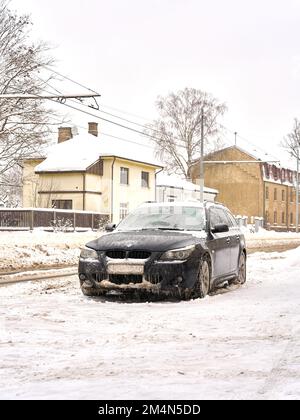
(145,179)
(275,216)
(275,194)
(282,195)
(62,204)
(123,210)
(291,218)
(267,193)
(124,176)
(267,216)
(292,196)
(282,217)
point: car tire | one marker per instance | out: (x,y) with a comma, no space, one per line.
(242,271)
(204,278)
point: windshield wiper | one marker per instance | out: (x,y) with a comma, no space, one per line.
(150,228)
(169,228)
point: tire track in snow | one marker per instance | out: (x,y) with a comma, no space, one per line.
(282,371)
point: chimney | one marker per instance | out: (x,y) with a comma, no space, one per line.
(64,134)
(93,128)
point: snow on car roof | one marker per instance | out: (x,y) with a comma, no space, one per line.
(173,204)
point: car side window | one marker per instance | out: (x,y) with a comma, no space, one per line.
(232,219)
(217,217)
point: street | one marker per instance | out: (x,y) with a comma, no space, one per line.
(242,343)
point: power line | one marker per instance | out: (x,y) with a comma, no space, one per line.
(116,137)
(135,123)
(108,113)
(71,80)
(126,113)
(49,96)
(104,119)
(105,106)
(248,142)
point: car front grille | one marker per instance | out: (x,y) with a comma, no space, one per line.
(99,277)
(125,278)
(139,255)
(135,254)
(116,254)
(154,278)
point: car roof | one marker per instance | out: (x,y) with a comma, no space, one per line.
(172,204)
(192,203)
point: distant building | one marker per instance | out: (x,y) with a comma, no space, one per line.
(252,189)
(86,172)
(172,188)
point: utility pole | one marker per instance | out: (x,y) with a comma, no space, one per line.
(201,170)
(42,96)
(297,192)
(61,98)
(235,134)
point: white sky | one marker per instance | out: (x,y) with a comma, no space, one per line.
(246,53)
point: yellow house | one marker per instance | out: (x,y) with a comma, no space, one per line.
(86,172)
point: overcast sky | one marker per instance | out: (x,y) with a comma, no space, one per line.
(246,53)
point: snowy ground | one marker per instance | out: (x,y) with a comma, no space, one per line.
(39,249)
(244,344)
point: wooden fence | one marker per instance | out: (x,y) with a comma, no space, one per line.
(27,218)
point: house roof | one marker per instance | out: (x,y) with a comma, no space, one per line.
(253,152)
(164,180)
(80,152)
(272,169)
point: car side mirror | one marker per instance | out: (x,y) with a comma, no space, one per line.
(220,228)
(110,227)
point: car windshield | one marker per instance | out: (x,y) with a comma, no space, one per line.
(165,218)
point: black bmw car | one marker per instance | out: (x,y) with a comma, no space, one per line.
(175,249)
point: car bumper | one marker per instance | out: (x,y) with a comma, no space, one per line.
(150,276)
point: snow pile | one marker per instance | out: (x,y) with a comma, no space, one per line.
(39,249)
(244,344)
(270,240)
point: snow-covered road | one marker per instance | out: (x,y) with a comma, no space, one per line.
(243,344)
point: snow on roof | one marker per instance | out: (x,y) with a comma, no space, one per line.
(78,153)
(164,180)
(258,153)
(252,151)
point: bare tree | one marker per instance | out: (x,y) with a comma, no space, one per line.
(24,124)
(292,141)
(11,188)
(178,128)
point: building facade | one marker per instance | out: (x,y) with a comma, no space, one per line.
(171,188)
(252,189)
(85,172)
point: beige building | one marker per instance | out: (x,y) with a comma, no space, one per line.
(252,189)
(87,172)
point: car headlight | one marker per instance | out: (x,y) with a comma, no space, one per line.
(89,253)
(178,254)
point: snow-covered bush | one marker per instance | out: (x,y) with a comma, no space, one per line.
(62,225)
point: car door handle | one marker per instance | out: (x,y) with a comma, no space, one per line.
(227,240)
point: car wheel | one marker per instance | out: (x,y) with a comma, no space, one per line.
(241,278)
(203,281)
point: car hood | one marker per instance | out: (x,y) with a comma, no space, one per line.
(150,240)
